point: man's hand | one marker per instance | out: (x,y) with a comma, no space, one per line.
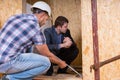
(62,64)
(66,39)
(67,42)
(43,50)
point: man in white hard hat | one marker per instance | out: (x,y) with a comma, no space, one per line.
(18,34)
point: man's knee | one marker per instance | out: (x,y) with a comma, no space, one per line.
(44,64)
(47,63)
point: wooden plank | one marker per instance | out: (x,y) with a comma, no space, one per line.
(70,76)
(87,40)
(109,37)
(58,77)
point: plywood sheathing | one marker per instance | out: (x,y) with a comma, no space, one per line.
(87,43)
(109,39)
(8,8)
(108,35)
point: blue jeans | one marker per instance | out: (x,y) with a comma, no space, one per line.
(25,66)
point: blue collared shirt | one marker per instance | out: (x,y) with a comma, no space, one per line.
(19,33)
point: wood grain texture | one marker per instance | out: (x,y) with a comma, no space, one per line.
(9,8)
(108,37)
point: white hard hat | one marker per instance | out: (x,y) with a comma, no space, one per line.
(43,6)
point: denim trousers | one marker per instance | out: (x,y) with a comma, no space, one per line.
(25,66)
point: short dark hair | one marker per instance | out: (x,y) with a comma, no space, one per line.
(60,20)
(36,10)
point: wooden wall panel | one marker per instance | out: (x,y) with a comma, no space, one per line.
(87,41)
(70,9)
(109,39)
(8,8)
(108,34)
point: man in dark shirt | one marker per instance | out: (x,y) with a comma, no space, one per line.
(60,43)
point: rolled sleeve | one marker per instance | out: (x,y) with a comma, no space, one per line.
(39,38)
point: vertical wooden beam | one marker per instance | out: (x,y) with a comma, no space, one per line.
(95,39)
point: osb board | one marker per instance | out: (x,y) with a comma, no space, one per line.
(108,35)
(8,8)
(87,43)
(109,38)
(58,77)
(71,10)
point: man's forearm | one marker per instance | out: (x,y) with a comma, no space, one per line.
(55,59)
(43,49)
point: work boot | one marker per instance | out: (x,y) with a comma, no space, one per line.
(64,70)
(50,71)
